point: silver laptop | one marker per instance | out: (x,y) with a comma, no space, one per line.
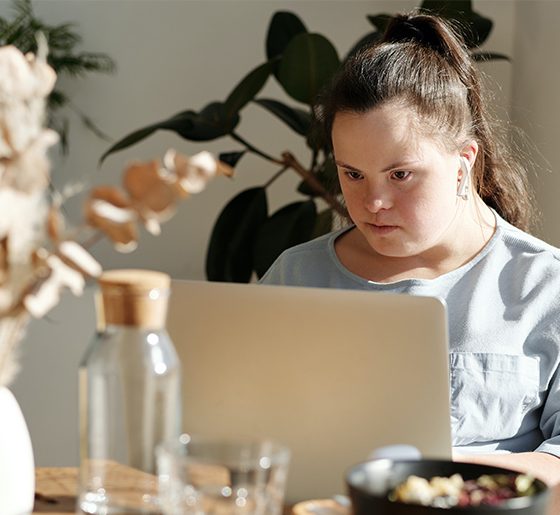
(334,374)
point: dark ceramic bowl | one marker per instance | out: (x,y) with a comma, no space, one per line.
(370,482)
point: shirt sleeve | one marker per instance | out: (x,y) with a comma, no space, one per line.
(550,419)
(274,275)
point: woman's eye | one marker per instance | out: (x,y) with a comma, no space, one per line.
(355,176)
(400,175)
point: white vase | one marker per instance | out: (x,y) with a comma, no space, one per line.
(17,469)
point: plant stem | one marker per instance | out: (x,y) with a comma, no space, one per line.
(89,123)
(290,161)
(313,160)
(97,236)
(254,149)
(11,333)
(275,176)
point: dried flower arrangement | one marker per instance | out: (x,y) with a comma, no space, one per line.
(65,56)
(39,255)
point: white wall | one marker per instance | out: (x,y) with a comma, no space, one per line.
(536,103)
(174,55)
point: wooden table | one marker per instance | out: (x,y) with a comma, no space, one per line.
(56,489)
(55,492)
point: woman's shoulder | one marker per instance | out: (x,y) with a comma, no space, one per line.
(525,259)
(309,262)
(523,243)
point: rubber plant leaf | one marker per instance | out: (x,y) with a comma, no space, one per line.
(291,225)
(365,41)
(326,174)
(230,251)
(323,223)
(308,63)
(444,7)
(208,124)
(380,21)
(231,158)
(129,140)
(284,26)
(474,28)
(295,118)
(247,89)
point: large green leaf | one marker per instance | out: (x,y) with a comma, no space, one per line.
(231,158)
(323,223)
(129,140)
(317,139)
(364,42)
(309,61)
(140,134)
(289,226)
(297,119)
(284,26)
(474,27)
(230,256)
(326,174)
(447,8)
(380,21)
(210,123)
(247,89)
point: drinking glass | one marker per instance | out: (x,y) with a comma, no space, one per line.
(221,476)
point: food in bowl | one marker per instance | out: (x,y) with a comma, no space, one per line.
(454,491)
(370,483)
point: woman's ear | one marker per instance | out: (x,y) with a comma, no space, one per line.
(469,152)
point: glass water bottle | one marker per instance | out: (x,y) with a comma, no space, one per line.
(129,394)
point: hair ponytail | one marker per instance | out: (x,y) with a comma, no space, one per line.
(425,30)
(423,61)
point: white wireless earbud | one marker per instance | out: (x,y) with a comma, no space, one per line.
(463,188)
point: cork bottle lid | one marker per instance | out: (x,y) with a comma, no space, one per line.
(134,281)
(134,298)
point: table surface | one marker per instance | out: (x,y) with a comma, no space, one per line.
(55,491)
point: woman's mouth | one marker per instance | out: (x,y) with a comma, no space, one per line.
(382,230)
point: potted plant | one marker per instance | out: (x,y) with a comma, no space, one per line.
(64,58)
(246,238)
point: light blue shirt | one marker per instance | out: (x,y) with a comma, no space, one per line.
(504,328)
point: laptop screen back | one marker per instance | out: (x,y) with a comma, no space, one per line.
(333,374)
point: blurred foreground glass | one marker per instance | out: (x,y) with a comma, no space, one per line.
(129,395)
(217,476)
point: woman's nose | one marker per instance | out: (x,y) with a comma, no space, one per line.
(376,202)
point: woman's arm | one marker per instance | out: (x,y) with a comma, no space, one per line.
(539,464)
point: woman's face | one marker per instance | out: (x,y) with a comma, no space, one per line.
(400,187)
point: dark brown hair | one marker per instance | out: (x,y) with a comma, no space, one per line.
(423,63)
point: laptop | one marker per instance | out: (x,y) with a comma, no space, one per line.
(333,374)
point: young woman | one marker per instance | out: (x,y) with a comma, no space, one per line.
(439,208)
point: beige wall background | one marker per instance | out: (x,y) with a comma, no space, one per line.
(535,103)
(173,55)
